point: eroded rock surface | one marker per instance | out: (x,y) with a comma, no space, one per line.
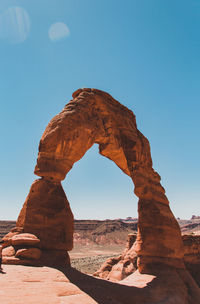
(192,255)
(25,239)
(29,253)
(118,268)
(45,221)
(47,214)
(92,117)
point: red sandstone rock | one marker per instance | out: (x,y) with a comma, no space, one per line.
(55,258)
(28,253)
(16,261)
(47,214)
(191,248)
(192,255)
(7,238)
(118,268)
(92,117)
(8,251)
(107,267)
(25,239)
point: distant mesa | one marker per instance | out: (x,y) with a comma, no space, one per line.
(84,230)
(195,217)
(94,116)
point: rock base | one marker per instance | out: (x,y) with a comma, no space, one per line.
(119,268)
(25,249)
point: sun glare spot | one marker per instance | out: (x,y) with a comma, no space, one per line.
(14,25)
(58,31)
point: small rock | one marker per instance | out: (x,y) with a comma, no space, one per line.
(8,251)
(7,238)
(29,253)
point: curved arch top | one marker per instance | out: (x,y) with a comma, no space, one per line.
(91,117)
(94,116)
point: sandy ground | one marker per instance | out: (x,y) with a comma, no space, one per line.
(80,251)
(90,264)
(88,259)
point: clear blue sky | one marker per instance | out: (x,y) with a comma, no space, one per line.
(145,53)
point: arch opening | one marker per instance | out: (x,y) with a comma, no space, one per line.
(98,190)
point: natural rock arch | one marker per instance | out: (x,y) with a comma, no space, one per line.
(93,116)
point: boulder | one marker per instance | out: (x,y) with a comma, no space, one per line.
(27,239)
(28,253)
(17,261)
(7,238)
(8,251)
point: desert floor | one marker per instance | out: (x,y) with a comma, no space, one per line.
(89,258)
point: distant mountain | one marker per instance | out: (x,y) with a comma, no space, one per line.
(195,217)
(109,231)
(5,227)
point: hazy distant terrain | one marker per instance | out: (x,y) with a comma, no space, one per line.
(92,231)
(108,231)
(5,227)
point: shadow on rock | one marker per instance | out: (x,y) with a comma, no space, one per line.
(170,286)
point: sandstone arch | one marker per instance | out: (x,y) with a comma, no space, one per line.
(92,117)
